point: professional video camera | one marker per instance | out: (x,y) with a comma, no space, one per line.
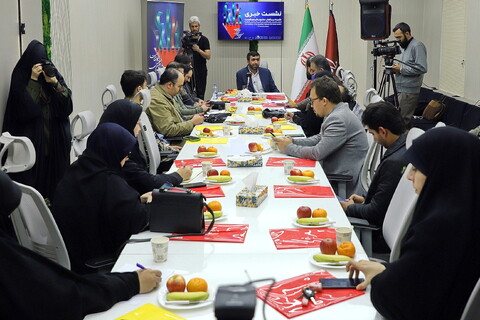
(384,50)
(190,38)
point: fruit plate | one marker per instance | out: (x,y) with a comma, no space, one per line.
(316,225)
(313,181)
(215,134)
(215,182)
(332,265)
(264,151)
(162,295)
(223,217)
(205,156)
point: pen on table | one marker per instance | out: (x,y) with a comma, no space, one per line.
(140,266)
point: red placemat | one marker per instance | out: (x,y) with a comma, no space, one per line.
(276,97)
(302,192)
(220,233)
(210,191)
(299,238)
(273,105)
(197,163)
(278,162)
(283,296)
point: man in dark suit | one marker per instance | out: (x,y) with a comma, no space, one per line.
(254,77)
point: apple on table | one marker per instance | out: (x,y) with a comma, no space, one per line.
(304,212)
(176,283)
(212,172)
(206,130)
(202,149)
(253,147)
(328,246)
(268,130)
(295,172)
(274,119)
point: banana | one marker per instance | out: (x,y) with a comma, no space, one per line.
(311,220)
(207,153)
(217,214)
(219,178)
(299,178)
(330,258)
(190,296)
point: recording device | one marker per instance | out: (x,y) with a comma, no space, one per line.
(340,283)
(190,38)
(49,68)
(235,302)
(385,50)
(249,79)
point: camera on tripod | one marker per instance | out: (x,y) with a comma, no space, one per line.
(190,38)
(385,50)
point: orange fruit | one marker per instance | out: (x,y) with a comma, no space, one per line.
(224,173)
(197,284)
(258,109)
(215,205)
(308,173)
(346,249)
(319,213)
(259,147)
(277,131)
(212,149)
(281,119)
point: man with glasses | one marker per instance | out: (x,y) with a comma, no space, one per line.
(163,110)
(341,145)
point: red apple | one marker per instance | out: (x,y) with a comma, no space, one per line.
(328,246)
(274,119)
(212,172)
(253,147)
(295,172)
(206,130)
(201,149)
(176,283)
(251,108)
(268,130)
(304,212)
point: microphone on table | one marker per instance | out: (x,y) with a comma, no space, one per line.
(249,78)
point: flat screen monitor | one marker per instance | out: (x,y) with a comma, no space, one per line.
(250,20)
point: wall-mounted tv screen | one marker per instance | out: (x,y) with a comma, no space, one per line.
(250,20)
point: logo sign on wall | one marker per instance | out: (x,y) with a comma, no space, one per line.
(164,32)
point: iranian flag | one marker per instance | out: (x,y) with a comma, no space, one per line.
(331,49)
(306,49)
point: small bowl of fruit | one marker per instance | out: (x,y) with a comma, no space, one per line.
(214,177)
(206,152)
(298,176)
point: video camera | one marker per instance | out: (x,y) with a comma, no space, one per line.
(385,50)
(190,38)
(49,68)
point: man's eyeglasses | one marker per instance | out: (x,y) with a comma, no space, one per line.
(313,99)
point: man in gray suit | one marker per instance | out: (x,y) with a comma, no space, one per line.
(341,145)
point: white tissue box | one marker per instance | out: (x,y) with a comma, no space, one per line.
(251,199)
(244,161)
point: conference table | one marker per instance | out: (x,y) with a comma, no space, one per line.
(222,263)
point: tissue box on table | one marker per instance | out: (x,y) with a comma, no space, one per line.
(251,130)
(244,161)
(251,199)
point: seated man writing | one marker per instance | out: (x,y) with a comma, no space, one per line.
(341,145)
(255,78)
(163,111)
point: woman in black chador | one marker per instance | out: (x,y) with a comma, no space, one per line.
(38,106)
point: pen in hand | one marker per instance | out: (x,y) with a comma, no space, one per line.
(273,135)
(140,266)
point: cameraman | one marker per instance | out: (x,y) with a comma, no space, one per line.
(409,73)
(201,53)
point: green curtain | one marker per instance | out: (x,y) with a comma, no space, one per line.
(47,40)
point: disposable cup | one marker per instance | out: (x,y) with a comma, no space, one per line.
(287,166)
(277,126)
(343,234)
(206,165)
(226,130)
(160,248)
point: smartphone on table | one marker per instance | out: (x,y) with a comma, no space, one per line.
(340,283)
(191,138)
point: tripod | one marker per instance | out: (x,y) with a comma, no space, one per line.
(387,79)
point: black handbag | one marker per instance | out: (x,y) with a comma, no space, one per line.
(269,113)
(178,210)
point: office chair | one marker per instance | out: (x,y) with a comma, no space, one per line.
(348,79)
(79,141)
(112,91)
(472,309)
(371,96)
(148,144)
(32,220)
(372,160)
(151,79)
(146,98)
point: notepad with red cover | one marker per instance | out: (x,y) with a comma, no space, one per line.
(234,233)
(285,293)
(273,105)
(278,162)
(210,191)
(197,163)
(299,238)
(150,312)
(296,191)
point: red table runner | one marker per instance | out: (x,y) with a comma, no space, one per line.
(302,192)
(220,233)
(197,163)
(278,162)
(299,238)
(284,294)
(210,191)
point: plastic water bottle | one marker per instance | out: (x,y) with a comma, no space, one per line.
(215,91)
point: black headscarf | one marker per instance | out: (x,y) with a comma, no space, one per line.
(438,264)
(111,143)
(123,112)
